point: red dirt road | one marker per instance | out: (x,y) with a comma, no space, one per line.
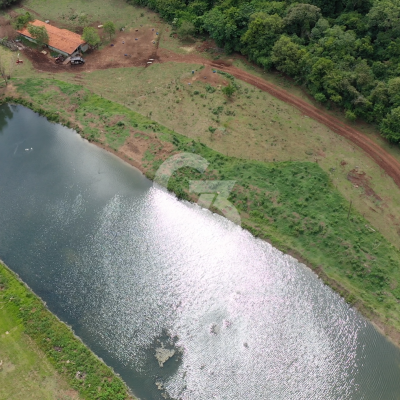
(386,161)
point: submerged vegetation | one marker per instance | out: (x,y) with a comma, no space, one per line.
(83,371)
(292,204)
(345,52)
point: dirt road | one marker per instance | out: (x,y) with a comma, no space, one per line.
(386,161)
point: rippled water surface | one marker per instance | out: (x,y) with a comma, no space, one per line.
(132,270)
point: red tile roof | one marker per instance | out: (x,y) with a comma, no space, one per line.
(60,39)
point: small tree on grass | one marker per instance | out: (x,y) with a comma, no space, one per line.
(229,90)
(186,30)
(109,28)
(39,33)
(4,73)
(91,37)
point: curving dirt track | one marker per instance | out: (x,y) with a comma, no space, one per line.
(386,161)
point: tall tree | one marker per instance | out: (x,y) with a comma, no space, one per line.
(390,126)
(287,56)
(39,33)
(109,28)
(301,19)
(91,37)
(261,36)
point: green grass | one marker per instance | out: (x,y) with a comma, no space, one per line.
(65,12)
(25,372)
(99,118)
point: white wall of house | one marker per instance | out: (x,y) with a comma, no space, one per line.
(58,51)
(83,47)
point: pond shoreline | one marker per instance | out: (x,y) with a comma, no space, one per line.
(124,154)
(388,331)
(32,311)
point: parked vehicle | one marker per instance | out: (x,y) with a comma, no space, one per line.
(60,59)
(77,60)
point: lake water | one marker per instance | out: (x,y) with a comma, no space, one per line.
(133,269)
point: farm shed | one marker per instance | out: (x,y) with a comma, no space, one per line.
(60,40)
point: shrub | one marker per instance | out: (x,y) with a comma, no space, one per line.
(39,33)
(229,90)
(186,30)
(320,97)
(350,115)
(22,20)
(210,89)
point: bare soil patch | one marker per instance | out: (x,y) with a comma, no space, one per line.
(134,48)
(360,179)
(207,75)
(136,146)
(6,29)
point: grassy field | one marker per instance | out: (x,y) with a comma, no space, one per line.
(295,205)
(66,13)
(40,355)
(25,372)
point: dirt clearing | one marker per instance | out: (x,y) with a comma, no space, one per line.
(206,75)
(134,48)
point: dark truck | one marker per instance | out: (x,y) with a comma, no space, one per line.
(77,60)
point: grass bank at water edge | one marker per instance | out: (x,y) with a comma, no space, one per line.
(72,360)
(294,205)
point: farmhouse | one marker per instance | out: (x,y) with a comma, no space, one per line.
(60,40)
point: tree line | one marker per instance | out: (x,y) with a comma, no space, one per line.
(7,3)
(346,52)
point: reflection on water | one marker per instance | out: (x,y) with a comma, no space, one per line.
(133,270)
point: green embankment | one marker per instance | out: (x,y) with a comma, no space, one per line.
(293,204)
(25,372)
(42,359)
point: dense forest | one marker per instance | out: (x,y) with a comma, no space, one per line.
(6,3)
(346,52)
